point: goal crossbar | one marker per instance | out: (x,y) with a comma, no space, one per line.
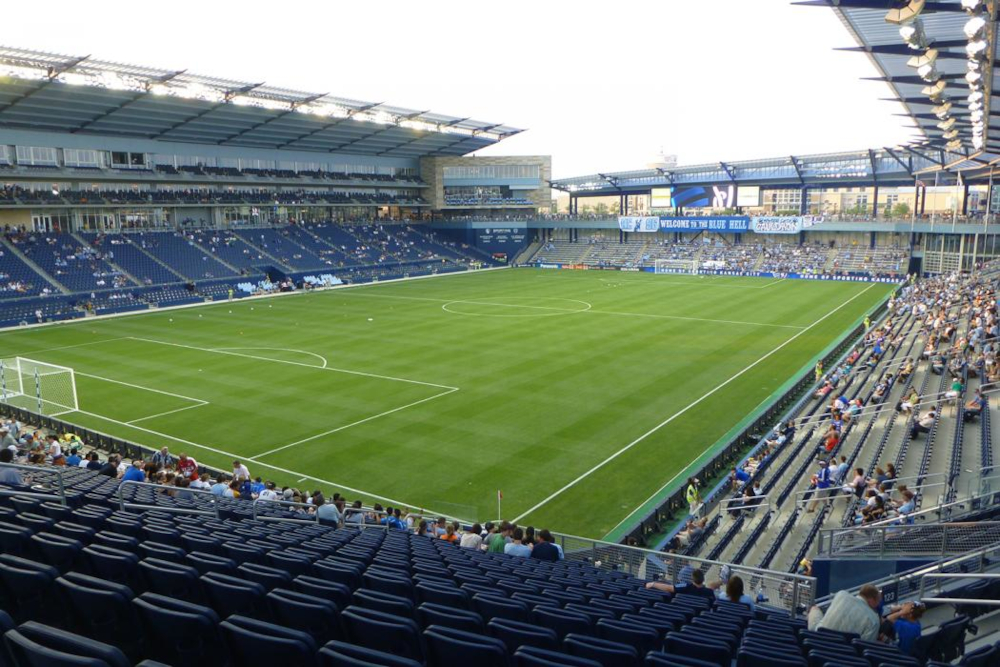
(689,266)
(37,385)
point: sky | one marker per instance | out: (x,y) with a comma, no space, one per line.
(598,86)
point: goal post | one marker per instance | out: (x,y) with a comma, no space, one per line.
(688,266)
(37,386)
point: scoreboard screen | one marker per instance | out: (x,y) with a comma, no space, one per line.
(661,198)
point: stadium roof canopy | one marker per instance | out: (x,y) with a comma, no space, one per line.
(81,95)
(938,58)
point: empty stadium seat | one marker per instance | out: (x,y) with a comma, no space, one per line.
(341,654)
(36,645)
(451,646)
(180,632)
(252,641)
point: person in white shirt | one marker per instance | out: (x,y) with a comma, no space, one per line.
(203,483)
(472,539)
(268,493)
(240,471)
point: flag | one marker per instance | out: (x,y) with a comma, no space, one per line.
(499,495)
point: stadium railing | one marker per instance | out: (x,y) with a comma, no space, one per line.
(60,488)
(952,576)
(124,504)
(789,592)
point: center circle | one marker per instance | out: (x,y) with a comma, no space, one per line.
(514,306)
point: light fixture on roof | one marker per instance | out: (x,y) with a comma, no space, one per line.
(973,106)
(976,96)
(928,73)
(906,11)
(971,5)
(976,115)
(973,77)
(942,111)
(947,124)
(924,59)
(935,92)
(974,26)
(953,145)
(913,34)
(950,134)
(975,47)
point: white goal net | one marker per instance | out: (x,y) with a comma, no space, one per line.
(676,266)
(37,386)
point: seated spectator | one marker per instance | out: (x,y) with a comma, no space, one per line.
(9,476)
(924,424)
(734,592)
(163,459)
(850,613)
(449,534)
(974,407)
(545,548)
(903,624)
(472,539)
(695,587)
(516,547)
(737,478)
(499,541)
(135,472)
(907,404)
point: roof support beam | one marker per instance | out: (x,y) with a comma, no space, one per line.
(229,94)
(908,165)
(798,169)
(729,172)
(295,105)
(52,74)
(873,163)
(135,98)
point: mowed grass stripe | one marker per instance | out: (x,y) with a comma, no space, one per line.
(541,398)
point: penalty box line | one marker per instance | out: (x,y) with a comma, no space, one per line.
(674,416)
(196,401)
(293,363)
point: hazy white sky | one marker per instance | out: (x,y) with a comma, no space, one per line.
(599,86)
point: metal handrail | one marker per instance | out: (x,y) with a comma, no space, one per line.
(60,482)
(313,517)
(164,489)
(956,575)
(844,494)
(743,503)
(930,510)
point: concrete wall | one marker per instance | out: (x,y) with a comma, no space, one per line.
(432,172)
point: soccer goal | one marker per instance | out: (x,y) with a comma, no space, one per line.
(676,266)
(37,386)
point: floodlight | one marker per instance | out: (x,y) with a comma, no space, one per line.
(953,145)
(942,111)
(928,73)
(935,91)
(976,115)
(926,58)
(977,142)
(947,125)
(973,26)
(973,77)
(906,13)
(976,47)
(971,5)
(975,96)
(950,134)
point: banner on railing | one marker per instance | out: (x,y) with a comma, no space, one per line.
(782,224)
(652,223)
(639,223)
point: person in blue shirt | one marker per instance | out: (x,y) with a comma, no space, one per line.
(515,547)
(738,478)
(823,479)
(904,622)
(734,592)
(73,460)
(135,473)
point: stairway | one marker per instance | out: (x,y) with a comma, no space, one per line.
(157,259)
(265,253)
(218,259)
(14,250)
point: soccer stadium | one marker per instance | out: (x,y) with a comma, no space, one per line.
(302,379)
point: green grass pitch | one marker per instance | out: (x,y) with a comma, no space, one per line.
(578,394)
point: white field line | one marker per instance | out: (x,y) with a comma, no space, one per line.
(231,455)
(674,416)
(775,282)
(570,311)
(168,412)
(276,349)
(139,386)
(65,347)
(292,363)
(352,424)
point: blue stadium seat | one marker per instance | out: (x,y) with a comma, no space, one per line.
(752,658)
(28,586)
(984,656)
(251,641)
(563,622)
(266,576)
(179,632)
(341,654)
(530,656)
(317,616)
(60,552)
(494,606)
(153,549)
(36,645)
(337,572)
(704,649)
(230,595)
(661,659)
(642,637)
(116,565)
(516,634)
(450,646)
(6,623)
(337,593)
(608,653)
(103,610)
(173,579)
(15,540)
(452,597)
(376,629)
(437,614)
(385,602)
(205,563)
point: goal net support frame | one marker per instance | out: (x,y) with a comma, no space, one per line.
(676,266)
(37,386)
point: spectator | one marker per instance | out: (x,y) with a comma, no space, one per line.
(325,512)
(823,480)
(187,467)
(924,424)
(449,534)
(219,488)
(355,516)
(500,539)
(850,613)
(240,471)
(903,623)
(516,547)
(135,472)
(545,548)
(696,587)
(472,539)
(269,492)
(73,460)
(110,469)
(734,592)
(9,476)
(163,459)
(94,462)
(693,496)
(203,483)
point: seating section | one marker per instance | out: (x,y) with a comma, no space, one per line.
(132,253)
(17,279)
(72,264)
(179,252)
